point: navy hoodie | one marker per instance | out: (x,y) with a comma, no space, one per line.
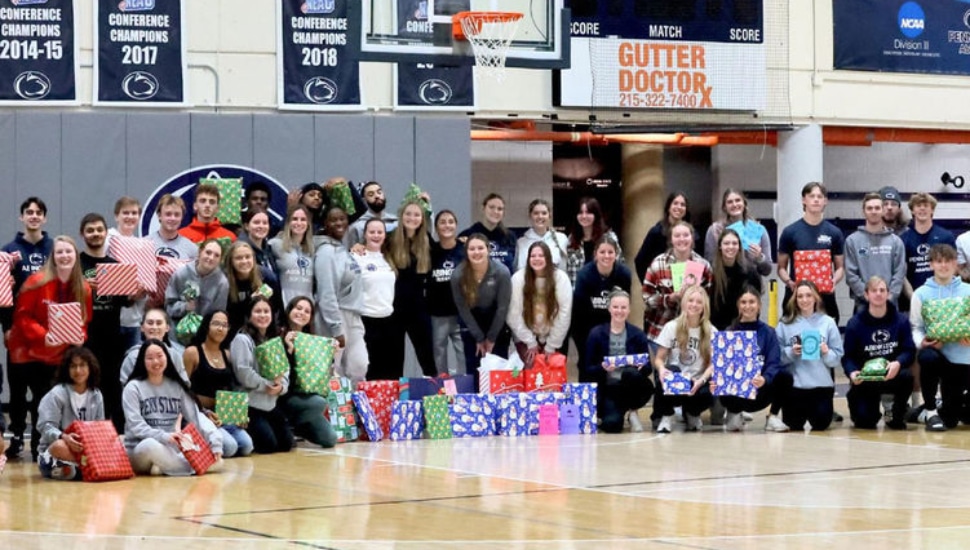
(501,243)
(868,337)
(770,350)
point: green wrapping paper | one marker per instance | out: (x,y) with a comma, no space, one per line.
(437,419)
(187,327)
(947,319)
(271,359)
(314,355)
(413,194)
(341,197)
(230,199)
(232,407)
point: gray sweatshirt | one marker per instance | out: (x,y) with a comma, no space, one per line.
(339,287)
(811,374)
(175,351)
(179,248)
(242,353)
(295,270)
(151,412)
(867,254)
(494,294)
(213,291)
(762,263)
(56,412)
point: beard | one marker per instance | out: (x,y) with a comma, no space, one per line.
(378,205)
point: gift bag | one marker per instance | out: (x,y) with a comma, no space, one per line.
(187,327)
(407,420)
(472,416)
(342,197)
(815,266)
(381,394)
(437,419)
(232,407)
(548,373)
(141,252)
(569,419)
(537,400)
(947,319)
(196,449)
(514,414)
(549,419)
(736,362)
(271,359)
(65,324)
(584,396)
(116,279)
(367,417)
(314,356)
(230,198)
(103,457)
(495,376)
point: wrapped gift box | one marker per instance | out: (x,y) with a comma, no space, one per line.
(232,407)
(367,417)
(164,269)
(187,327)
(381,394)
(514,413)
(314,356)
(64,323)
(816,266)
(116,279)
(343,419)
(749,231)
(141,253)
(736,363)
(437,419)
(947,319)
(196,449)
(632,360)
(103,457)
(420,387)
(544,398)
(271,359)
(472,416)
(583,395)
(230,199)
(6,286)
(342,197)
(676,383)
(548,373)
(407,420)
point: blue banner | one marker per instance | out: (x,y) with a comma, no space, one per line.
(140,56)
(429,86)
(930,36)
(37,51)
(317,68)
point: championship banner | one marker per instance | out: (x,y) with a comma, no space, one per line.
(932,36)
(314,65)
(665,55)
(426,86)
(38,57)
(140,58)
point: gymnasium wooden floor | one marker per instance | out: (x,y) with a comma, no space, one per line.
(709,490)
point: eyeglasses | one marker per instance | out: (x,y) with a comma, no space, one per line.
(219,324)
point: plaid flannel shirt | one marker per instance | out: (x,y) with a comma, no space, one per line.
(658,286)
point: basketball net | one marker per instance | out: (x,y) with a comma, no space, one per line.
(490,34)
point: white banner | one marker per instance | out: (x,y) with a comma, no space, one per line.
(651,74)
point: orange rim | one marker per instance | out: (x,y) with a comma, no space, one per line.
(481,17)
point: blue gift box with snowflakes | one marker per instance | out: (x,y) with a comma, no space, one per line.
(407,420)
(737,360)
(472,415)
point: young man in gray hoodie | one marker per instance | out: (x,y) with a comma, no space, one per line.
(874,250)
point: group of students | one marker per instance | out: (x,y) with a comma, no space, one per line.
(369,279)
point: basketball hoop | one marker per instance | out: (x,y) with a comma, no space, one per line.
(490,34)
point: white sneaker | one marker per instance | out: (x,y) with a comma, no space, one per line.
(735,422)
(774,424)
(635,425)
(694,423)
(887,408)
(924,415)
(665,423)
(746,416)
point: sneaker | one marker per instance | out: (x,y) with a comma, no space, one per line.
(63,470)
(155,470)
(746,416)
(694,423)
(836,417)
(896,424)
(934,423)
(735,422)
(665,423)
(774,424)
(16,445)
(635,425)
(917,415)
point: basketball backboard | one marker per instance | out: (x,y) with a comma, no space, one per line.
(420,31)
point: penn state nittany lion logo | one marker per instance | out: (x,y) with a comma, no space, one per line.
(881,336)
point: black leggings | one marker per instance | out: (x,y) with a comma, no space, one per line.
(270,431)
(615,397)
(937,370)
(39,378)
(812,405)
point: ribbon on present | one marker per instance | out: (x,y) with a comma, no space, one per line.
(117,279)
(230,198)
(65,324)
(271,359)
(196,449)
(141,252)
(947,319)
(735,357)
(102,456)
(232,407)
(407,420)
(367,417)
(815,266)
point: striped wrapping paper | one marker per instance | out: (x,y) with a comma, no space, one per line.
(117,279)
(7,261)
(64,323)
(164,270)
(141,252)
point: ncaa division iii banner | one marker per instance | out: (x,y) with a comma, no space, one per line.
(313,56)
(37,51)
(140,56)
